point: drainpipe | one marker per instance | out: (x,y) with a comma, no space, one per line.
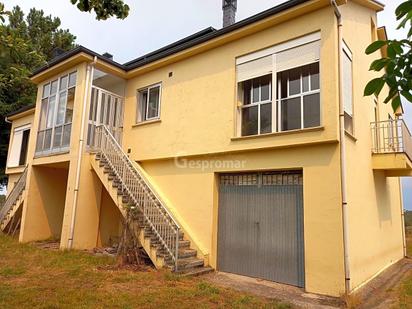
(343,154)
(89,78)
(405,253)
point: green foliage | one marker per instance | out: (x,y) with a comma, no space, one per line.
(26,43)
(104,9)
(397,64)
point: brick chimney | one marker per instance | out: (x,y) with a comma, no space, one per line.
(229,12)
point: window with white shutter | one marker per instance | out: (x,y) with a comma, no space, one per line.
(18,150)
(347,88)
(279,87)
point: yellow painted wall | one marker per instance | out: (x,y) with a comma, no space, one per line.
(375,228)
(46,194)
(191,193)
(109,224)
(34,231)
(198,102)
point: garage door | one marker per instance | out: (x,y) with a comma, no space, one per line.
(260,231)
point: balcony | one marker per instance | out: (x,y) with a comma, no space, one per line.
(392,147)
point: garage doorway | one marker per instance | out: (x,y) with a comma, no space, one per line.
(260,229)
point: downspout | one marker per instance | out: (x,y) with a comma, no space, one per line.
(89,78)
(405,253)
(342,137)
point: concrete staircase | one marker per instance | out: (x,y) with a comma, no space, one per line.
(148,229)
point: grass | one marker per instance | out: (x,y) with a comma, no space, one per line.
(405,290)
(35,278)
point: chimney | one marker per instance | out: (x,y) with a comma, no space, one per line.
(229,12)
(108,56)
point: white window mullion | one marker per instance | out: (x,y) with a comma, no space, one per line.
(273,94)
(302,122)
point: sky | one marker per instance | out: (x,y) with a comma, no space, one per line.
(153,24)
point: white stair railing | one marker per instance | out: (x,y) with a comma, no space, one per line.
(13,196)
(139,190)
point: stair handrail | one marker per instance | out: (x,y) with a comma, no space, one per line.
(151,205)
(14,195)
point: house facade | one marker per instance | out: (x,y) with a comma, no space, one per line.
(250,150)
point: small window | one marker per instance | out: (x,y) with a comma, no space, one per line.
(18,150)
(148,106)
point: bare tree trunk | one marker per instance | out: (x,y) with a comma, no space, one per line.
(128,252)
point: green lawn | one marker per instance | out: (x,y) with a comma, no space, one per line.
(35,278)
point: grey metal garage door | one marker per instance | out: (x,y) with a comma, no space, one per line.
(260,228)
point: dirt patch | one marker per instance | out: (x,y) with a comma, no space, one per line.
(381,292)
(272,290)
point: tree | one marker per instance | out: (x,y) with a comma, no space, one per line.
(104,9)
(25,44)
(397,64)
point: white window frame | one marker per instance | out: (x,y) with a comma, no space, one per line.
(138,105)
(15,150)
(302,94)
(276,109)
(65,126)
(259,103)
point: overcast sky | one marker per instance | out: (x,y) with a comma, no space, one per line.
(153,24)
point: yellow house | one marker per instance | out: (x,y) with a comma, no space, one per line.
(250,150)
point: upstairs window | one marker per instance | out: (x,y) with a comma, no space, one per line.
(18,150)
(298,98)
(280,89)
(148,104)
(257,106)
(347,88)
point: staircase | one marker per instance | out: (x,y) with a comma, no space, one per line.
(158,232)
(14,201)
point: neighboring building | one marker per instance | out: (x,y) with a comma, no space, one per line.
(229,143)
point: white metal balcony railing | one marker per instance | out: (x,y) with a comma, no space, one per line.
(391,136)
(13,196)
(139,190)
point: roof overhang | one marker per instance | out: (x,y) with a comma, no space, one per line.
(25,111)
(198,43)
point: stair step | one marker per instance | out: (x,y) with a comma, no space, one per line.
(194,272)
(183,253)
(184,264)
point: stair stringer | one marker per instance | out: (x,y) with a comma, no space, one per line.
(201,251)
(138,231)
(12,212)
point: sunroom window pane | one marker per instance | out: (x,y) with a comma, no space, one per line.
(63,82)
(266,118)
(53,88)
(72,79)
(62,107)
(46,90)
(69,105)
(50,113)
(291,114)
(311,110)
(250,121)
(57,136)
